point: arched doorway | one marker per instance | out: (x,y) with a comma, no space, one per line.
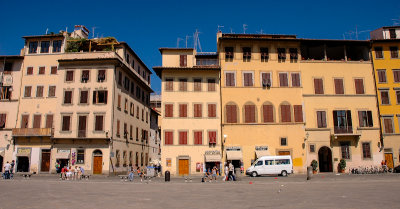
(97,162)
(325,159)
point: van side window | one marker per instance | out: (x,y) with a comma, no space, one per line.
(259,163)
(269,162)
(282,162)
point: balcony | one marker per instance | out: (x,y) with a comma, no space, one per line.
(343,130)
(27,132)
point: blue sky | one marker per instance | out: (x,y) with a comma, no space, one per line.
(149,25)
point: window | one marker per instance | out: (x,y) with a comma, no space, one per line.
(198,137)
(101,76)
(264,54)
(118,126)
(281,54)
(100,97)
(127,57)
(283,141)
(231,113)
(5,93)
(130,132)
(366,148)
(85,76)
(49,121)
(339,89)
(286,113)
(359,84)
(228,54)
(53,70)
(84,97)
(82,119)
(39,91)
(321,119)
(342,121)
(183,110)
(133,88)
(388,125)
(33,47)
(268,113)
(247,79)
(99,121)
(345,149)
(24,121)
(212,137)
(29,70)
(126,83)
(120,78)
(37,119)
(8,67)
(246,54)
(44,46)
(266,80)
(52,91)
(169,137)
(42,70)
(385,97)
(283,79)
(378,53)
(211,84)
(394,52)
(67,97)
(57,46)
(137,134)
(312,148)
(169,84)
(132,109)
(183,84)
(365,119)
(169,110)
(137,112)
(318,86)
(295,79)
(182,137)
(126,105)
(80,158)
(230,79)
(298,113)
(118,157)
(142,114)
(28,90)
(398,97)
(381,76)
(183,60)
(293,53)
(197,110)
(66,120)
(396,75)
(197,84)
(125,131)
(250,113)
(69,76)
(212,110)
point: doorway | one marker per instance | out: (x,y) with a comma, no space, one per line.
(183,167)
(325,159)
(1,163)
(63,163)
(97,162)
(22,164)
(389,160)
(45,164)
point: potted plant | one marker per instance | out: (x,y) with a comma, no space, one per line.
(342,165)
(314,165)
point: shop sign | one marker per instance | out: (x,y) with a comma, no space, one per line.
(213,152)
(233,148)
(261,148)
(64,151)
(24,151)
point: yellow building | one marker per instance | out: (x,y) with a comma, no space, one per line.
(385,52)
(191,131)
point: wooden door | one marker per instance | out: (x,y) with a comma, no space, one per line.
(45,165)
(284,153)
(183,167)
(389,160)
(97,164)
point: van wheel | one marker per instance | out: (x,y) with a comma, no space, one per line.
(284,173)
(254,174)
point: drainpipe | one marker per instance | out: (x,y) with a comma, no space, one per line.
(112,118)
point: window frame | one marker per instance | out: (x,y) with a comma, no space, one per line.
(346,145)
(62,123)
(394,52)
(252,78)
(355,86)
(167,85)
(103,115)
(343,87)
(388,96)
(394,75)
(281,140)
(287,79)
(379,77)
(364,156)
(234,79)
(291,80)
(381,52)
(195,84)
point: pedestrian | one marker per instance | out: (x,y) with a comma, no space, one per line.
(214,173)
(226,170)
(76,173)
(79,173)
(131,170)
(7,168)
(139,172)
(57,165)
(231,169)
(69,173)
(63,172)
(12,169)
(144,173)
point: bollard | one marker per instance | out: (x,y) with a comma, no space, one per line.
(167,176)
(309,172)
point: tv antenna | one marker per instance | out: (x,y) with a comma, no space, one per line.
(187,40)
(47,30)
(220,26)
(196,41)
(177,42)
(93,31)
(396,21)
(260,32)
(231,31)
(244,28)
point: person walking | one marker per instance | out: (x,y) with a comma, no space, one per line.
(131,170)
(7,168)
(57,165)
(12,169)
(226,170)
(139,172)
(214,173)
(231,169)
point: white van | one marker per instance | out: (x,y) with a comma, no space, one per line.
(267,165)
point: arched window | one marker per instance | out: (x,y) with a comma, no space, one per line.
(286,115)
(267,112)
(249,113)
(231,110)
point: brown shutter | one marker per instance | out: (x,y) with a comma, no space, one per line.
(283,81)
(268,113)
(84,97)
(359,86)
(318,86)
(266,77)
(230,79)
(49,121)
(168,110)
(52,91)
(396,75)
(388,125)
(285,113)
(27,91)
(3,118)
(67,97)
(339,86)
(295,79)
(298,113)
(66,123)
(36,121)
(319,119)
(99,123)
(42,70)
(182,110)
(29,71)
(39,91)
(212,110)
(24,121)
(53,70)
(197,110)
(211,84)
(231,116)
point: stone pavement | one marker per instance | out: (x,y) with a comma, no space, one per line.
(322,191)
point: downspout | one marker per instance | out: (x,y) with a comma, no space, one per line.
(19,98)
(112,118)
(220,101)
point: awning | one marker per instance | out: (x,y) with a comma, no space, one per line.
(261,153)
(62,155)
(213,158)
(234,154)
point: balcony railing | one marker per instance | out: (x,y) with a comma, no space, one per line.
(32,132)
(343,130)
(207,62)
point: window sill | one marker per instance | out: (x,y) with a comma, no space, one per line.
(98,132)
(65,132)
(99,104)
(68,104)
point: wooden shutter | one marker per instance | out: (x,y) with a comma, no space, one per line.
(249,111)
(84,97)
(212,137)
(99,123)
(82,123)
(183,60)
(197,110)
(268,115)
(198,136)
(266,77)
(318,86)
(348,116)
(39,91)
(212,110)
(53,70)
(295,79)
(248,79)
(298,113)
(285,113)
(49,121)
(28,91)
(67,97)
(24,121)
(168,110)
(168,137)
(283,80)
(183,110)
(3,118)
(388,125)
(396,75)
(230,79)
(369,116)
(36,121)
(335,119)
(183,137)
(231,115)
(182,84)
(339,86)
(66,123)
(29,71)
(52,91)
(360,118)
(385,97)
(211,84)
(42,70)
(359,86)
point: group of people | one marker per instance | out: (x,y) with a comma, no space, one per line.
(70,173)
(229,172)
(8,170)
(210,174)
(140,171)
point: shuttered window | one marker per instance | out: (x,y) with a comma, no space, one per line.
(378,52)
(183,84)
(318,86)
(99,123)
(212,137)
(67,97)
(52,91)
(82,125)
(265,79)
(388,124)
(283,79)
(281,54)
(39,91)
(298,113)
(264,54)
(285,113)
(183,110)
(42,70)
(118,126)
(100,97)
(3,119)
(212,113)
(84,97)
(382,76)
(211,84)
(182,137)
(228,54)
(359,83)
(230,79)
(197,110)
(231,114)
(247,79)
(86,76)
(394,52)
(29,70)
(183,60)
(69,76)
(169,140)
(197,84)
(295,79)
(339,86)
(396,75)
(398,97)
(66,120)
(28,90)
(366,147)
(321,119)
(53,70)
(268,114)
(385,97)
(49,121)
(198,137)
(169,110)
(36,121)
(24,121)
(365,119)
(246,54)
(249,113)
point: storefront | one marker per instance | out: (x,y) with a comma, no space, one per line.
(212,158)
(23,157)
(234,155)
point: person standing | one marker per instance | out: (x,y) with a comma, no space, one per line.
(214,173)
(7,168)
(12,169)
(131,170)
(226,169)
(231,168)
